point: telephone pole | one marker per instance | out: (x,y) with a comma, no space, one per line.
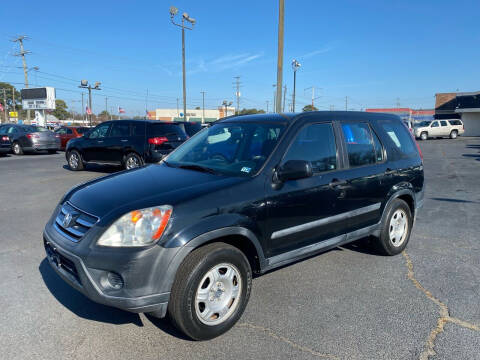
(5,104)
(106,107)
(284,96)
(346,103)
(85,85)
(22,53)
(203,106)
(281,16)
(267,106)
(237,92)
(83,109)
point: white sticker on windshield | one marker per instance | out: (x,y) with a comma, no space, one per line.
(246,169)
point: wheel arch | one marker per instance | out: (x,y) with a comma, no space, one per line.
(131,151)
(406,195)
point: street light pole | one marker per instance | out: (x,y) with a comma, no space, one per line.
(295,66)
(85,85)
(185,17)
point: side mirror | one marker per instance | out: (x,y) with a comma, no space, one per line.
(294,170)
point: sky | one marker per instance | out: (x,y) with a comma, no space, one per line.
(373,53)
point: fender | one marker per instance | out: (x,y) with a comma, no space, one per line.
(397,191)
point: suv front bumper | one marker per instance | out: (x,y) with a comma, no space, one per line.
(94,282)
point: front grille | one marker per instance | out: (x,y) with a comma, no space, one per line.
(73,223)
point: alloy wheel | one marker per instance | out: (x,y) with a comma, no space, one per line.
(398,228)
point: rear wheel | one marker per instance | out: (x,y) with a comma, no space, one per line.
(396,228)
(211,291)
(75,161)
(132,161)
(424,135)
(453,134)
(17,148)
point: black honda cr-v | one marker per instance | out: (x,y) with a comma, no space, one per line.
(130,143)
(243,196)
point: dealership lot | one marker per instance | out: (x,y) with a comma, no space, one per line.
(345,304)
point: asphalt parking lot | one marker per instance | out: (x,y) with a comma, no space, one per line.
(348,303)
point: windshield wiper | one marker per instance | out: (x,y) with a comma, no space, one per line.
(198,168)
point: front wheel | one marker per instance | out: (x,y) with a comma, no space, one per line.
(396,228)
(211,291)
(424,136)
(132,161)
(453,134)
(75,161)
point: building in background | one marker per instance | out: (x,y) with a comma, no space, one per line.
(192,115)
(407,114)
(460,105)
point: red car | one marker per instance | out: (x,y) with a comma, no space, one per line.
(69,132)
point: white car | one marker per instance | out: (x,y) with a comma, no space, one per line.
(439,128)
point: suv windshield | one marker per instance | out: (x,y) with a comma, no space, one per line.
(238,149)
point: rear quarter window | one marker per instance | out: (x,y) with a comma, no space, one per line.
(455,122)
(400,140)
(167,129)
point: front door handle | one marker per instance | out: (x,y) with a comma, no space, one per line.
(337,183)
(124,140)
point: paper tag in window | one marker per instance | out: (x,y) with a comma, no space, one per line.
(246,169)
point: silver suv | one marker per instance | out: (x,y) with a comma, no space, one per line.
(439,128)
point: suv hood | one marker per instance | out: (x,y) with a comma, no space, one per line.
(144,187)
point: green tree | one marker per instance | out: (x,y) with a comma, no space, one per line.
(8,92)
(251,111)
(197,108)
(309,108)
(104,115)
(60,111)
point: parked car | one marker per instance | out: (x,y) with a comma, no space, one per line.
(66,133)
(26,138)
(129,143)
(5,144)
(190,127)
(248,194)
(439,128)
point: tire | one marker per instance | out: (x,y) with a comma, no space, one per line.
(424,135)
(230,293)
(132,161)
(395,232)
(17,148)
(453,134)
(75,161)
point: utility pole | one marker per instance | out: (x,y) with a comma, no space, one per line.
(346,103)
(237,93)
(284,96)
(13,98)
(106,107)
(85,85)
(178,111)
(146,106)
(203,106)
(274,98)
(22,53)
(281,15)
(267,106)
(83,109)
(185,17)
(5,104)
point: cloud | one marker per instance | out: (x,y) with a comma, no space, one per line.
(323,50)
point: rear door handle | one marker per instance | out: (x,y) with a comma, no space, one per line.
(336,183)
(99,141)
(124,140)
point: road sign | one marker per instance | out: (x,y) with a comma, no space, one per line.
(13,114)
(38,98)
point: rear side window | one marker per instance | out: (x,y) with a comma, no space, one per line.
(69,131)
(138,129)
(443,123)
(401,140)
(192,128)
(166,130)
(81,130)
(455,122)
(315,143)
(360,145)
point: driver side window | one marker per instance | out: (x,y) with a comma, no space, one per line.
(100,131)
(435,124)
(315,143)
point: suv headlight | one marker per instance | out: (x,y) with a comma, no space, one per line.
(137,228)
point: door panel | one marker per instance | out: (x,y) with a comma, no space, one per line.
(305,211)
(118,140)
(94,148)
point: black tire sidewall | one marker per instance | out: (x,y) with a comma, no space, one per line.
(129,155)
(384,241)
(191,325)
